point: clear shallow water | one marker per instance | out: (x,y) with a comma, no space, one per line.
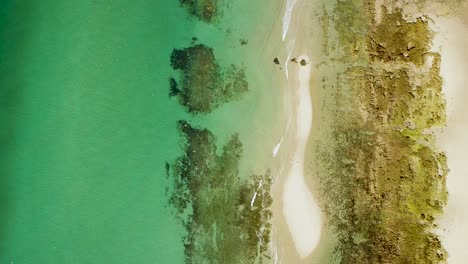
(88,124)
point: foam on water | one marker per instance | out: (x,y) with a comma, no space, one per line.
(287,16)
(289,49)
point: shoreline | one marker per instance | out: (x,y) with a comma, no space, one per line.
(451,225)
(297,218)
(452,141)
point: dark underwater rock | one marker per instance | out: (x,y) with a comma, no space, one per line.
(203,84)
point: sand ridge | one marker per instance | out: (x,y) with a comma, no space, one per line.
(297,217)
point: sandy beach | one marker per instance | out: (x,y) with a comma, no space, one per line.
(297,217)
(300,210)
(452,42)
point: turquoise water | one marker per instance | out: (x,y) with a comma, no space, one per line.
(88,124)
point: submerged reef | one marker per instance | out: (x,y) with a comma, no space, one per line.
(203,84)
(380,176)
(205,10)
(226,216)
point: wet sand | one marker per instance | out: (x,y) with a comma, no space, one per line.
(297,218)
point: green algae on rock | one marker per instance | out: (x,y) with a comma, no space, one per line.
(386,39)
(381,179)
(226,217)
(204,85)
(205,10)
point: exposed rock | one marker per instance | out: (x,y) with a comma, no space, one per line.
(380,97)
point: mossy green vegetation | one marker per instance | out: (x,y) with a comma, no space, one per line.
(226,216)
(381,178)
(205,10)
(386,39)
(204,85)
(350,28)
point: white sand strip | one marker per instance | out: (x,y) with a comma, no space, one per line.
(302,214)
(454,224)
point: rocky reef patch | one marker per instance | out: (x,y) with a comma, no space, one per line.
(203,85)
(205,10)
(226,217)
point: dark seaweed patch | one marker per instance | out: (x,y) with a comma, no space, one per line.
(204,85)
(205,10)
(174,90)
(214,203)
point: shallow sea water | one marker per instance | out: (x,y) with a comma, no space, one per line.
(89,125)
